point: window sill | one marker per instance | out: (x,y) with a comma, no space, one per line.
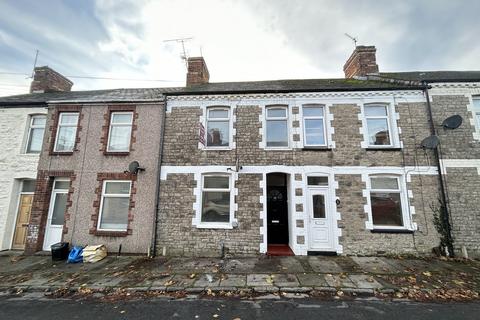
(217,149)
(204,225)
(383,149)
(102,233)
(113,153)
(277,149)
(56,153)
(391,230)
(308,148)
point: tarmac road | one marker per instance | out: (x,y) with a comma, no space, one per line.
(159,308)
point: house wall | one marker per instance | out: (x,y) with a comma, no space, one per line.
(15,164)
(88,166)
(460,154)
(345,162)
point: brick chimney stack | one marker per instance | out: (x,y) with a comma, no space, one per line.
(46,79)
(197,71)
(362,61)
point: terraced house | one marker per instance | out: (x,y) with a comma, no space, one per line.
(329,166)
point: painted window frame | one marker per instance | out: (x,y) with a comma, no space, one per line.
(59,125)
(391,123)
(130,125)
(31,126)
(113,195)
(215,225)
(229,109)
(324,120)
(286,119)
(404,205)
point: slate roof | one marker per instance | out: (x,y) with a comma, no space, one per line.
(274,86)
(434,76)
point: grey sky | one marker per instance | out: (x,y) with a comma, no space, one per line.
(241,40)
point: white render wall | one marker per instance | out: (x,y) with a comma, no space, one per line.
(14,164)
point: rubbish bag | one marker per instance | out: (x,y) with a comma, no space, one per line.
(76,255)
(94,253)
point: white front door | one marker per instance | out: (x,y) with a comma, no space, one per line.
(56,214)
(320,221)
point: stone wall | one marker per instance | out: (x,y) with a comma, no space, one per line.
(179,237)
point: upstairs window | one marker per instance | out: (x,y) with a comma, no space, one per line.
(385,201)
(120,132)
(216,199)
(218,127)
(114,206)
(476,110)
(66,132)
(35,133)
(314,126)
(277,127)
(378,125)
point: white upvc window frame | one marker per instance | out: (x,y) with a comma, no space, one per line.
(323,118)
(476,112)
(215,225)
(391,124)
(230,126)
(286,119)
(121,124)
(112,195)
(402,191)
(31,127)
(59,125)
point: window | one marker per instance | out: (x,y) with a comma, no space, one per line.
(317,181)
(378,127)
(114,206)
(314,125)
(66,132)
(28,186)
(277,127)
(35,133)
(218,127)
(216,199)
(476,110)
(386,203)
(120,132)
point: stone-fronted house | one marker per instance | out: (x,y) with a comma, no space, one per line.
(330,166)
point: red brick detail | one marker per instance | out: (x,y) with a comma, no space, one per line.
(102,176)
(197,71)
(106,128)
(40,206)
(46,79)
(362,62)
(53,128)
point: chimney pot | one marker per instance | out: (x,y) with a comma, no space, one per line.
(197,71)
(45,79)
(362,62)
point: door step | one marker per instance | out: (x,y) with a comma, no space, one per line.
(279,250)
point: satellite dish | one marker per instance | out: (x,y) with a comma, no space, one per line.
(430,142)
(452,122)
(134,167)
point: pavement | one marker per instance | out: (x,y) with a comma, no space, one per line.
(417,279)
(13,308)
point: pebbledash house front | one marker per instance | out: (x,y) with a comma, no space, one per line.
(297,167)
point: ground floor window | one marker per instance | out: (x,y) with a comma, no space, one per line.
(216,199)
(386,201)
(114,206)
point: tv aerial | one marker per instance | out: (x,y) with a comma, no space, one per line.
(354,39)
(182,41)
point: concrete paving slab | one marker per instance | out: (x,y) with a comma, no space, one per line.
(233,280)
(339,281)
(267,265)
(207,280)
(259,280)
(375,265)
(321,265)
(105,282)
(365,281)
(312,279)
(290,264)
(243,265)
(285,280)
